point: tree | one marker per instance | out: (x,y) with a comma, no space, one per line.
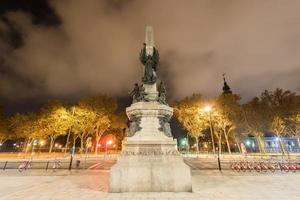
(190,114)
(281,102)
(283,105)
(118,125)
(222,125)
(54,120)
(279,126)
(4,132)
(228,117)
(256,120)
(293,126)
(26,126)
(104,107)
(83,124)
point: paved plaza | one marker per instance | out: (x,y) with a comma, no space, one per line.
(92,184)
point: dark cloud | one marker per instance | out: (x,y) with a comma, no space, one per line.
(76,48)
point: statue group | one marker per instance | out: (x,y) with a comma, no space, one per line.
(150,63)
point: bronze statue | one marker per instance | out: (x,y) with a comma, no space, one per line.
(138,93)
(150,62)
(162,93)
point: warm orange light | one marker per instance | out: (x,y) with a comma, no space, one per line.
(207,108)
(42,142)
(109,142)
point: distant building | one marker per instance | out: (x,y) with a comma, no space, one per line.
(272,145)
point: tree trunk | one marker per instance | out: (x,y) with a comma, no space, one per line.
(298,139)
(52,139)
(197,144)
(260,144)
(97,142)
(74,142)
(187,143)
(220,144)
(29,141)
(97,139)
(281,145)
(25,145)
(81,144)
(238,144)
(227,142)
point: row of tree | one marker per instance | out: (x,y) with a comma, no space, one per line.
(273,112)
(91,117)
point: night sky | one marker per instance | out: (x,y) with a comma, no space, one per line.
(64,49)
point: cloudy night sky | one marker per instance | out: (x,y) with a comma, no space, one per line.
(65,49)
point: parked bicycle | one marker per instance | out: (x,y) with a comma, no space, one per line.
(56,165)
(264,166)
(24,166)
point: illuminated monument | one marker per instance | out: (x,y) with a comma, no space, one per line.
(149,161)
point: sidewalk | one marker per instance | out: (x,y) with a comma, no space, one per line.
(207,185)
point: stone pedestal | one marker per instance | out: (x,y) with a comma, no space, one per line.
(157,173)
(150,161)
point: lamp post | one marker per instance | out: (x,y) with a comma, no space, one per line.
(208,109)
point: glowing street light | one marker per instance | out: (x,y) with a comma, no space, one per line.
(207,108)
(42,143)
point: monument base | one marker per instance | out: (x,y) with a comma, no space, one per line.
(150,173)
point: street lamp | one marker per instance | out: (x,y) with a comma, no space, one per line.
(208,109)
(42,142)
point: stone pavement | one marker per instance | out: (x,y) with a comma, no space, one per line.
(40,185)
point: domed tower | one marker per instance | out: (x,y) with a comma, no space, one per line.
(226,88)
